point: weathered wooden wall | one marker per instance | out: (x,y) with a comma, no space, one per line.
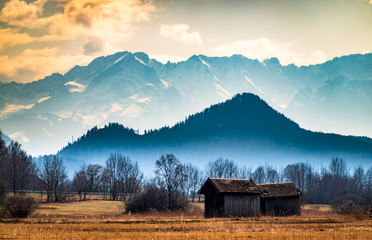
(241,205)
(213,203)
(281,206)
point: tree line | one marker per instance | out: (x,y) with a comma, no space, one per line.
(174,181)
(317,186)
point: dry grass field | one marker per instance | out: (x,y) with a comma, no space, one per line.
(98,219)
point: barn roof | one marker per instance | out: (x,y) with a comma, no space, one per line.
(286,189)
(223,185)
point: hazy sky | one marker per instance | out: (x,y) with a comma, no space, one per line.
(40,37)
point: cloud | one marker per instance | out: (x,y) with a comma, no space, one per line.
(93,45)
(43,99)
(265,48)
(88,13)
(29,59)
(20,135)
(14,108)
(132,111)
(179,32)
(43,61)
(19,13)
(9,37)
(78,87)
(113,19)
(96,27)
(84,13)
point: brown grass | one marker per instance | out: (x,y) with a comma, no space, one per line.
(105,220)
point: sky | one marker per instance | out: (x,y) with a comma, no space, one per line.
(41,37)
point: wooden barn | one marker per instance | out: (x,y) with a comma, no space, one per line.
(280,199)
(231,198)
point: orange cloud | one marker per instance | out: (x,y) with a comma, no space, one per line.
(19,13)
(95,26)
(80,18)
(42,61)
(9,37)
(84,12)
(29,59)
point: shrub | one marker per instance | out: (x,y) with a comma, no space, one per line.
(180,203)
(352,204)
(20,206)
(3,210)
(153,198)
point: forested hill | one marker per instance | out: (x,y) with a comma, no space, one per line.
(244,116)
(243,127)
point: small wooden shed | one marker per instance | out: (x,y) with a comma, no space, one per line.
(231,198)
(280,199)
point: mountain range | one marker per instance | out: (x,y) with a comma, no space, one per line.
(245,129)
(142,93)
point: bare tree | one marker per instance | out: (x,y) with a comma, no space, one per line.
(196,183)
(130,176)
(298,174)
(272,175)
(369,181)
(80,182)
(259,175)
(338,167)
(185,185)
(94,177)
(20,167)
(201,181)
(3,158)
(215,169)
(105,182)
(14,158)
(168,174)
(313,187)
(124,174)
(53,175)
(339,178)
(221,168)
(359,180)
(231,169)
(113,174)
(245,173)
(192,184)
